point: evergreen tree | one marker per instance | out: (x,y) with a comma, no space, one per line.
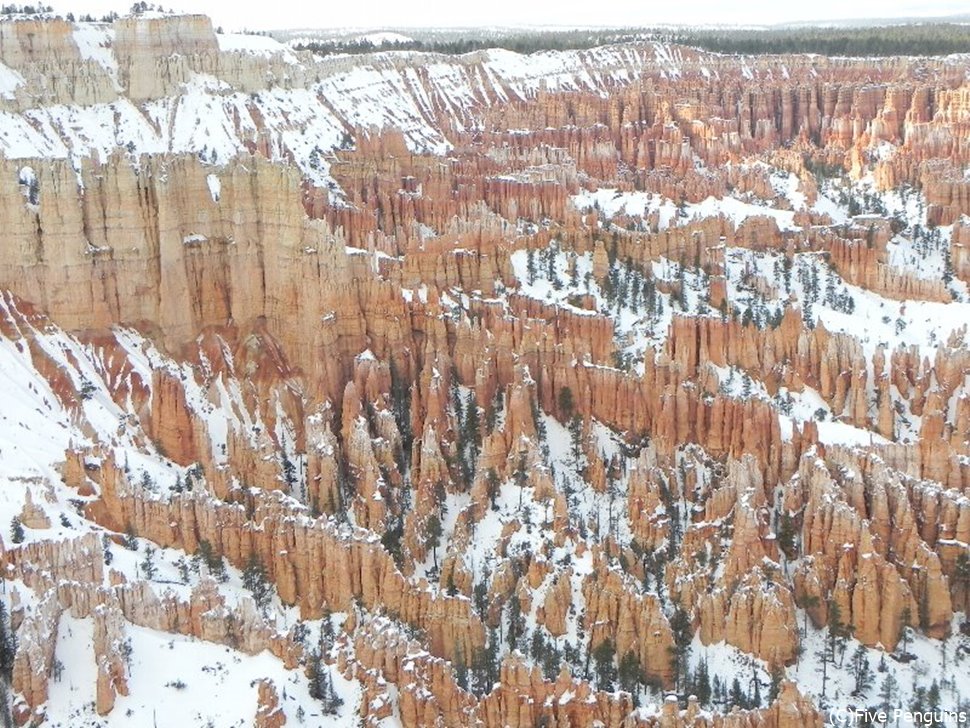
(786,535)
(461,668)
(213,561)
(521,478)
(16,530)
(289,472)
(492,485)
(8,645)
(737,698)
(183,569)
(255,580)
(702,683)
(839,632)
(551,662)
(961,575)
(904,630)
(567,405)
(485,665)
(537,648)
(603,657)
(629,674)
(148,567)
(401,407)
(824,656)
(330,702)
(313,674)
(683,629)
(934,704)
(777,675)
(391,539)
(889,691)
(130,540)
(516,621)
(861,671)
(432,536)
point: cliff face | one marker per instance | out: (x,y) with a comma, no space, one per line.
(479,390)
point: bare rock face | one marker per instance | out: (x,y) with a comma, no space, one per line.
(37,638)
(33,515)
(112,673)
(268,711)
(634,623)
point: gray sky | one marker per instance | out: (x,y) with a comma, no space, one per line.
(280,14)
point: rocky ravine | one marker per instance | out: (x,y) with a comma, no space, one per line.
(491,390)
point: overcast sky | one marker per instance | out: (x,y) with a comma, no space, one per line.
(280,14)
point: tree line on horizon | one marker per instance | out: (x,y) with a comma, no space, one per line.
(925,39)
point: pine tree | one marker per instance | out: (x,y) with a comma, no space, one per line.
(16,530)
(861,671)
(313,674)
(6,711)
(401,406)
(551,662)
(824,657)
(521,478)
(148,567)
(330,702)
(786,535)
(391,539)
(213,561)
(516,621)
(702,683)
(737,698)
(567,405)
(485,665)
(576,442)
(904,630)
(255,580)
(461,668)
(838,634)
(492,485)
(683,629)
(432,536)
(961,575)
(629,674)
(756,691)
(603,657)
(717,690)
(130,540)
(889,691)
(289,472)
(8,645)
(777,675)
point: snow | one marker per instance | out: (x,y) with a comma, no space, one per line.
(642,204)
(94,42)
(260,45)
(10,81)
(215,186)
(176,680)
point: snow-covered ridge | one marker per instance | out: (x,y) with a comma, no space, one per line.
(307,106)
(255,82)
